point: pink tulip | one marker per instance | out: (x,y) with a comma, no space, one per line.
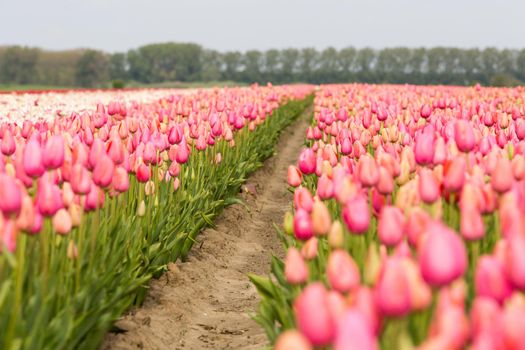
(307,161)
(80,179)
(490,279)
(183,152)
(424,146)
(53,155)
(33,165)
(96,152)
(9,235)
(313,315)
(10,194)
(428,186)
(425,111)
(354,332)
(356,215)
(342,271)
(464,136)
(392,291)
(442,255)
(49,198)
(391,226)
(471,224)
(103,171)
(502,177)
(368,171)
(292,340)
(321,219)
(455,174)
(294,176)
(302,224)
(295,269)
(309,249)
(514,323)
(303,199)
(515,260)
(325,187)
(143,173)
(120,182)
(62,222)
(8,145)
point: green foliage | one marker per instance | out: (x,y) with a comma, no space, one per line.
(118,84)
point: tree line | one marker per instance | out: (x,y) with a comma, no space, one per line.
(187,62)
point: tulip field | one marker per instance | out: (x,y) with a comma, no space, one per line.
(99,190)
(408,225)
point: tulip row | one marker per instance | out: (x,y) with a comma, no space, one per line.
(96,202)
(408,228)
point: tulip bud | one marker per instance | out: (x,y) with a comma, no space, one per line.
(72,250)
(471,223)
(143,173)
(356,215)
(303,199)
(424,146)
(368,171)
(392,290)
(309,249)
(321,219)
(307,161)
(53,156)
(314,319)
(455,174)
(515,260)
(295,269)
(490,279)
(292,340)
(294,176)
(325,187)
(336,236)
(10,194)
(391,226)
(141,210)
(355,332)
(442,255)
(302,223)
(342,271)
(502,177)
(32,160)
(62,222)
(428,186)
(8,145)
(103,171)
(464,136)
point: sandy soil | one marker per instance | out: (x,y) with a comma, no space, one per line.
(206,302)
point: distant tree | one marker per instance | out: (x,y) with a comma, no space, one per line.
(346,64)
(289,63)
(271,65)
(92,69)
(308,63)
(232,65)
(118,66)
(253,62)
(365,61)
(18,65)
(212,63)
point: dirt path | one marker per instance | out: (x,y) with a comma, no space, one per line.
(206,302)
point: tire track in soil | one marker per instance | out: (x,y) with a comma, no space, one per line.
(206,302)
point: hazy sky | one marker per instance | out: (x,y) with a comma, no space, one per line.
(117,25)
